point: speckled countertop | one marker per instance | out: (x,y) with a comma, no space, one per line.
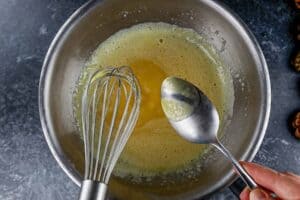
(27,169)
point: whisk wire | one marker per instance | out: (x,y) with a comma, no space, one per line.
(95,104)
(127,130)
(106,124)
(85,126)
(101,128)
(105,111)
(112,153)
(112,124)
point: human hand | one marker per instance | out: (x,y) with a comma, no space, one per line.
(285,185)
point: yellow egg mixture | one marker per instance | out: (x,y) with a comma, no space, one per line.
(155,51)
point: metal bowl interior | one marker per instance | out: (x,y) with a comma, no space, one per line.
(94,22)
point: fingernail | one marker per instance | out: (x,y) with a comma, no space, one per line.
(258,194)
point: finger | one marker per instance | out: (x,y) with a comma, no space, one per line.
(292,175)
(282,185)
(259,194)
(245,194)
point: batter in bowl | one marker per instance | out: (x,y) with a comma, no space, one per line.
(155,51)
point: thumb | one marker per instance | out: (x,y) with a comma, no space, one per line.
(258,194)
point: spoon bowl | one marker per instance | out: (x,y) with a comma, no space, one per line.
(195,118)
(190,112)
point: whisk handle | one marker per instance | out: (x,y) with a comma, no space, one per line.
(92,190)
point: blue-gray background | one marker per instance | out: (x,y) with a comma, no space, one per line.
(27,169)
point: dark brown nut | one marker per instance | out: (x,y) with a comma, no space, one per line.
(297,4)
(297,133)
(296,120)
(297,115)
(296,61)
(296,123)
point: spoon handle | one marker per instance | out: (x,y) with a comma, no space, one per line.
(240,170)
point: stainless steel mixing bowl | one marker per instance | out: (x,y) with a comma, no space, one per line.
(97,20)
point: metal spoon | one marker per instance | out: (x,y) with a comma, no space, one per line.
(195,118)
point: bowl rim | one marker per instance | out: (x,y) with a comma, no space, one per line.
(221,8)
